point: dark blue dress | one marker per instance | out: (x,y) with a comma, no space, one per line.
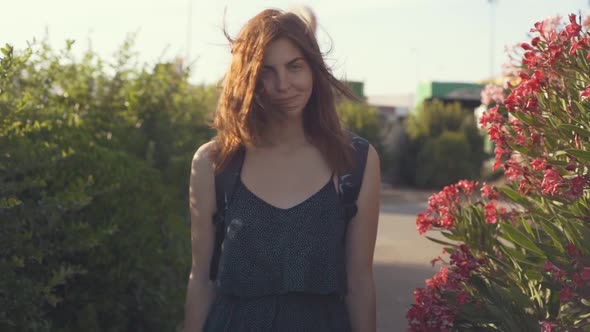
(282,269)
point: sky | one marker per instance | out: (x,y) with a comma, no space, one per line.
(390,45)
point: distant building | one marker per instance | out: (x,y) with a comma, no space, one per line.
(468,94)
(358,88)
(392,107)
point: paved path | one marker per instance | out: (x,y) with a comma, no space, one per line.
(402,258)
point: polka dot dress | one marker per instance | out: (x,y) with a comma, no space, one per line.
(282,269)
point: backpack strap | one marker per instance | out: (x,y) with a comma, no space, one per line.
(350,183)
(225,183)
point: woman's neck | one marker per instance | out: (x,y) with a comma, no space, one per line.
(286,135)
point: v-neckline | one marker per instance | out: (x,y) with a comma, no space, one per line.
(329,184)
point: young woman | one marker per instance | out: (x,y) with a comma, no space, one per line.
(291,260)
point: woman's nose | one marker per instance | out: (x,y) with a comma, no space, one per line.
(282,82)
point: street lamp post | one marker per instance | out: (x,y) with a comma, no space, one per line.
(492,35)
(188,30)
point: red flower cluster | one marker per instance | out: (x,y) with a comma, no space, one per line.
(444,207)
(441,209)
(432,311)
(533,130)
(538,77)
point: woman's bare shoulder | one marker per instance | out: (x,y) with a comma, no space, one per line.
(203,156)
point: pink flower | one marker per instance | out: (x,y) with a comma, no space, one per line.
(466,186)
(551,182)
(488,192)
(585,274)
(447,221)
(431,312)
(539,164)
(556,272)
(524,186)
(463,261)
(424,222)
(586,22)
(492,93)
(439,279)
(499,152)
(495,132)
(572,250)
(576,188)
(573,29)
(565,294)
(513,170)
(526,47)
(491,116)
(491,213)
(437,259)
(585,94)
(546,326)
(576,45)
(462,298)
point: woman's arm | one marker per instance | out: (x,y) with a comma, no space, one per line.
(360,247)
(200,290)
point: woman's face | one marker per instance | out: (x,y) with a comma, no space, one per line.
(286,76)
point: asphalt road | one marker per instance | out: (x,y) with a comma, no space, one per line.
(402,262)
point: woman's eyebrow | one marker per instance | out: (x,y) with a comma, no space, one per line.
(288,63)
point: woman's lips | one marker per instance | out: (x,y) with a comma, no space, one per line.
(284,101)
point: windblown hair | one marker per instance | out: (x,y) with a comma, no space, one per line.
(241,117)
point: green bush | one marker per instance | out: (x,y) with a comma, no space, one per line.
(428,160)
(432,118)
(444,159)
(94,173)
(361,119)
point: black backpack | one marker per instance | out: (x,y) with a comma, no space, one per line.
(225,182)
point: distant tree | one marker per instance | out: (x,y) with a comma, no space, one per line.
(422,156)
(361,119)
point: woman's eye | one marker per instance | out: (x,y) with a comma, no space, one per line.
(295,66)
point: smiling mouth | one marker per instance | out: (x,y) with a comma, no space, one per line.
(285,101)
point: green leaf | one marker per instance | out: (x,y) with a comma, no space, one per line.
(557,162)
(515,196)
(527,227)
(441,242)
(576,129)
(501,263)
(533,275)
(582,155)
(452,236)
(583,109)
(521,149)
(529,120)
(521,239)
(551,230)
(515,254)
(583,230)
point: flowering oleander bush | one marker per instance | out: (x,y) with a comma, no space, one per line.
(519,254)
